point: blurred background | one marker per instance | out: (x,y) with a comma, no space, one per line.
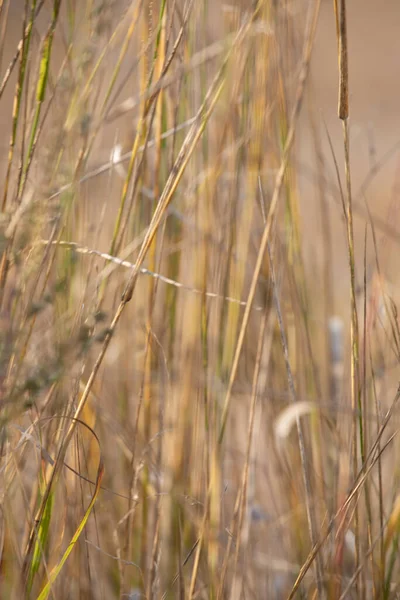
(179,445)
(373,54)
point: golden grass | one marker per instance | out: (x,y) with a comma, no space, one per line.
(183,415)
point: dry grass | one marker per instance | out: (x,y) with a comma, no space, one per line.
(183,415)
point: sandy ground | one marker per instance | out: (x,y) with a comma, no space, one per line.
(374,48)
